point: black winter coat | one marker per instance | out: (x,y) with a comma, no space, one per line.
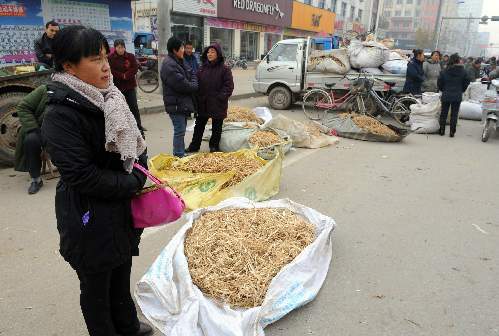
(453,81)
(93,189)
(179,85)
(414,77)
(44,46)
(215,86)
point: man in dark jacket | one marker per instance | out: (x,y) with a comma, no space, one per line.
(29,139)
(190,58)
(453,81)
(415,74)
(43,46)
(124,68)
(179,85)
(215,88)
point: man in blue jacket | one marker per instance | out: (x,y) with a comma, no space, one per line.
(179,85)
(190,58)
(415,74)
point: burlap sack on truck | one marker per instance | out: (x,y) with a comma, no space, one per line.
(204,189)
(332,61)
(173,304)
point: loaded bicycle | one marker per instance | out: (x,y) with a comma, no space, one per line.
(362,98)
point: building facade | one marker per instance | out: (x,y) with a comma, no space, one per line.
(244,28)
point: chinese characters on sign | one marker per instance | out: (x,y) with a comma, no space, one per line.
(12,10)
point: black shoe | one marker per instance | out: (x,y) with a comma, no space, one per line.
(143,129)
(442,131)
(451,134)
(189,150)
(144,330)
(35,187)
(214,149)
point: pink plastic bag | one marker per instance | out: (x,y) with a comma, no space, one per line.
(156,205)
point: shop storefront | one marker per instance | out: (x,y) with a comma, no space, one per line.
(311,20)
(249,28)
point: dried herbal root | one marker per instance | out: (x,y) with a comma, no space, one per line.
(221,163)
(242,114)
(264,139)
(234,254)
(370,124)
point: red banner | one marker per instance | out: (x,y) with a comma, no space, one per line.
(12,10)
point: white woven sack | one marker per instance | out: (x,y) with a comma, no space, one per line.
(177,307)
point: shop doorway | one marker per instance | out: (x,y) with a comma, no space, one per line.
(225,38)
(249,45)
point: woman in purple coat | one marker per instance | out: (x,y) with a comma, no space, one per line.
(215,88)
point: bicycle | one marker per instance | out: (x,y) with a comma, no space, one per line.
(361,98)
(148,78)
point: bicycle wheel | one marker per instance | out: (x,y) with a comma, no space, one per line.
(401,109)
(148,81)
(316,104)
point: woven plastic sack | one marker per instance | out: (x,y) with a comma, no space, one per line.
(396,66)
(174,305)
(334,61)
(204,189)
(367,54)
(424,118)
(476,92)
(470,110)
(430,97)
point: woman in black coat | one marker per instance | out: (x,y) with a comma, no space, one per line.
(93,196)
(215,88)
(414,77)
(453,81)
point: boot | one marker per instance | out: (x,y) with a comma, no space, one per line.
(190,150)
(442,130)
(214,149)
(451,134)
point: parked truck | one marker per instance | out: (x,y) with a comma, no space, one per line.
(14,86)
(283,75)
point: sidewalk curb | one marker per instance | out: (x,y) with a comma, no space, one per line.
(161,108)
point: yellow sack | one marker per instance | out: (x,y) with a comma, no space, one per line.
(204,189)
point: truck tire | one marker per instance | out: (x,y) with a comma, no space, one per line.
(9,125)
(280,98)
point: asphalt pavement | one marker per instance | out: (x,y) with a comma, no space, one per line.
(415,251)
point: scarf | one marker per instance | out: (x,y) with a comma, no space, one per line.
(122,134)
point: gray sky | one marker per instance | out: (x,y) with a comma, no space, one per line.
(491,8)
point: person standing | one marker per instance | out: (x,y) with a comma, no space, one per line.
(43,46)
(215,88)
(431,69)
(473,70)
(453,81)
(414,77)
(29,139)
(444,61)
(124,68)
(179,85)
(190,58)
(93,139)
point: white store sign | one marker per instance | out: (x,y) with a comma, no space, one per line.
(196,7)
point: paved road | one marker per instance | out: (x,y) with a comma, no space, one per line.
(415,251)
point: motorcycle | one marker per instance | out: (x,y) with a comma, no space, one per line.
(492,114)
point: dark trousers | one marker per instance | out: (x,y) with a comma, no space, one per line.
(106,302)
(32,152)
(454,106)
(131,100)
(216,133)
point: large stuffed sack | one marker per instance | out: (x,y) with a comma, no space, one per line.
(470,110)
(332,61)
(367,54)
(424,118)
(395,66)
(374,71)
(169,299)
(475,92)
(430,97)
(302,135)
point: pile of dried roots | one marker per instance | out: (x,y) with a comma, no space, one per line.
(222,163)
(234,254)
(264,139)
(370,124)
(242,114)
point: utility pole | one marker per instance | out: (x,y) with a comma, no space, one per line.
(436,34)
(164,32)
(378,15)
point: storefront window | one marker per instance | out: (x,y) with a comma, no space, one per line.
(224,37)
(270,40)
(249,45)
(188,28)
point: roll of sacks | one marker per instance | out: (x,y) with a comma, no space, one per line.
(470,110)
